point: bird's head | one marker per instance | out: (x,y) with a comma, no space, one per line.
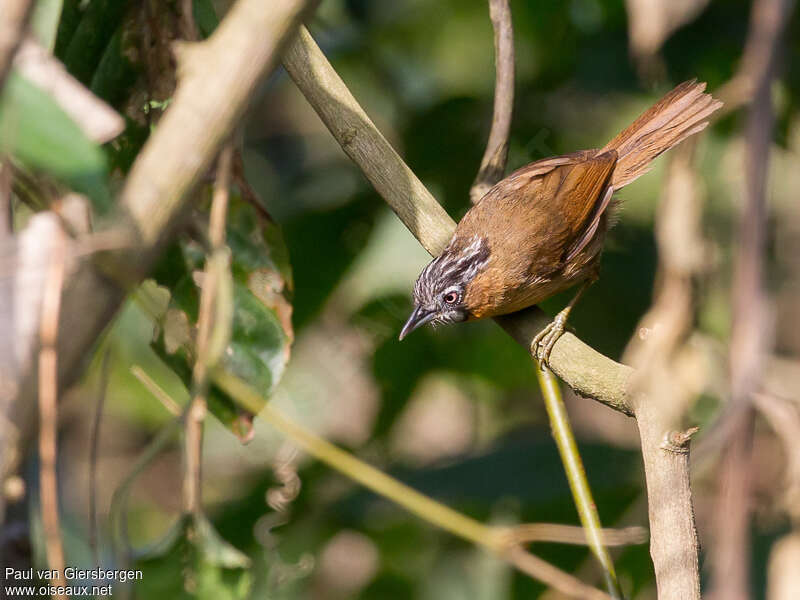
(440,290)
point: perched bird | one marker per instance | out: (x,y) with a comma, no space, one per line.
(541,230)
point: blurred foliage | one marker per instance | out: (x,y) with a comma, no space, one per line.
(261,330)
(41,136)
(334,270)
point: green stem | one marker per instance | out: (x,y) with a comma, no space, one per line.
(576,475)
(493,539)
(368,476)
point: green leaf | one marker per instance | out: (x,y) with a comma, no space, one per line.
(44,21)
(71,14)
(38,133)
(116,73)
(258,351)
(205,16)
(97,25)
(261,330)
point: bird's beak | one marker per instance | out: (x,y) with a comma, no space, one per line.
(418,318)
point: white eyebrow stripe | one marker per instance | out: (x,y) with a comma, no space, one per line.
(448,264)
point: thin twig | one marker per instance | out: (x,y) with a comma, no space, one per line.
(215,270)
(491,538)
(576,475)
(493,164)
(119,500)
(94,446)
(558,533)
(6,222)
(48,411)
(249,195)
(219,204)
(172,407)
(13,22)
(537,568)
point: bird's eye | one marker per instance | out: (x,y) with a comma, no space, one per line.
(451,297)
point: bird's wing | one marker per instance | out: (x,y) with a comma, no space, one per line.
(545,165)
(578,193)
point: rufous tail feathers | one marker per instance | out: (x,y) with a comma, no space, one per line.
(682,112)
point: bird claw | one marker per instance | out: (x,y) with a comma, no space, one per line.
(542,344)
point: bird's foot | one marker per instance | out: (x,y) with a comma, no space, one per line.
(542,344)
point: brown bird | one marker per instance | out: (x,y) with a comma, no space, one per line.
(541,230)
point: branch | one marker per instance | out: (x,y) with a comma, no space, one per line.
(217,78)
(588,372)
(94,452)
(213,326)
(657,357)
(363,143)
(557,533)
(493,164)
(13,22)
(48,411)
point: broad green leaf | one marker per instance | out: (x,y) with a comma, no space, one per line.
(261,333)
(38,133)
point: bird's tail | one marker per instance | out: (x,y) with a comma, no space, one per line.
(681,113)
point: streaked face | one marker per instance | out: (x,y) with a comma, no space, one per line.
(440,288)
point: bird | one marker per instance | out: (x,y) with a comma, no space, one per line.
(541,230)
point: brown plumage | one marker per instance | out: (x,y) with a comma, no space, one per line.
(541,229)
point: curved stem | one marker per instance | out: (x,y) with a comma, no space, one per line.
(493,164)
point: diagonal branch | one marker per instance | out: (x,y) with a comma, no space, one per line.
(493,164)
